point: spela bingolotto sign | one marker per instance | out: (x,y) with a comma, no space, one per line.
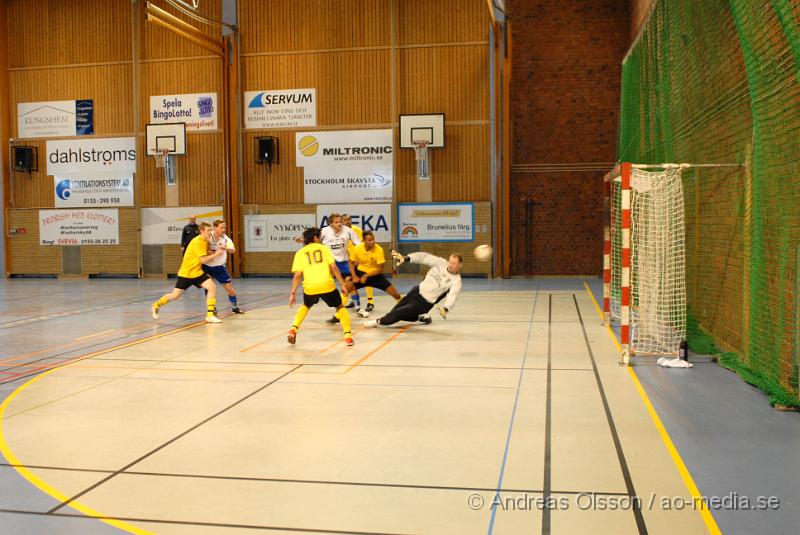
(197,110)
(435,222)
(346,166)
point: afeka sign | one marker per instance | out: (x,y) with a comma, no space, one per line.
(374,217)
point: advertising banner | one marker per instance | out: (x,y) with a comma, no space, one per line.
(275,232)
(374,217)
(55,118)
(101,157)
(93,191)
(197,110)
(280,108)
(435,222)
(346,166)
(79,227)
(165,225)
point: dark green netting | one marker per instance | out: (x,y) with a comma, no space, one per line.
(718,81)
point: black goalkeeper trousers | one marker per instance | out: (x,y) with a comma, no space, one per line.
(408,308)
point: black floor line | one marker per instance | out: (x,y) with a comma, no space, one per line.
(82,349)
(173,439)
(623,463)
(191,523)
(547,425)
(314,481)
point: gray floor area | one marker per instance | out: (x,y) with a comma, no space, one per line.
(732,442)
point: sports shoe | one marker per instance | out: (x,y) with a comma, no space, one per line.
(213,319)
(369,324)
(292,338)
(424,318)
(370,307)
(363,313)
(349,341)
(332,320)
(237,310)
(350,304)
(154,312)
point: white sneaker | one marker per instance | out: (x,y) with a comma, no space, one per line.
(363,313)
(369,324)
(213,319)
(154,311)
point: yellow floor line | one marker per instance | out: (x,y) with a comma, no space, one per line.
(708,519)
(42,485)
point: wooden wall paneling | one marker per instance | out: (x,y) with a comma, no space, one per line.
(442,21)
(26,256)
(201,171)
(184,75)
(160,43)
(288,25)
(34,190)
(172,259)
(58,32)
(109,85)
(284,185)
(453,80)
(122,259)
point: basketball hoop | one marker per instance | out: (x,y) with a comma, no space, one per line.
(161,157)
(421,150)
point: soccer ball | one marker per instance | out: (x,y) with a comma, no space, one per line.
(483,253)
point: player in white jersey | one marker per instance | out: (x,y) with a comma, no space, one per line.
(442,282)
(215,268)
(336,236)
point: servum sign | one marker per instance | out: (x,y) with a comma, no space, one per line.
(346,166)
(280,108)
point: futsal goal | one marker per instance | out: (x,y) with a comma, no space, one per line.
(644,258)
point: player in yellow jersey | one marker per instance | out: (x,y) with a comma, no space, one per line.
(191,274)
(315,266)
(368,261)
(348,222)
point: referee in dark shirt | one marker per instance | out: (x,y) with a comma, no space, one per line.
(189,232)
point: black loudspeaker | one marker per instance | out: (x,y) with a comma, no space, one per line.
(267,151)
(25,159)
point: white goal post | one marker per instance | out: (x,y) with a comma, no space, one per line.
(644,258)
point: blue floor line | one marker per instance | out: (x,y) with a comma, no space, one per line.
(513,417)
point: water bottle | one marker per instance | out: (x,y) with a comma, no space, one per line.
(683,351)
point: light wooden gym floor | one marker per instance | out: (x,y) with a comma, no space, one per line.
(517,398)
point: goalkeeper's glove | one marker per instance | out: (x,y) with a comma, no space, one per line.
(442,312)
(398,257)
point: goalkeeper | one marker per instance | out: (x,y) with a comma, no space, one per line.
(442,282)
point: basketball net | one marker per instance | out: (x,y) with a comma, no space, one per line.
(161,157)
(421,150)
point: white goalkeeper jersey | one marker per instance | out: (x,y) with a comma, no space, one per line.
(438,280)
(338,242)
(218,243)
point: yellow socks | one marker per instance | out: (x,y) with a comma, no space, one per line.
(299,317)
(160,303)
(370,293)
(212,307)
(344,317)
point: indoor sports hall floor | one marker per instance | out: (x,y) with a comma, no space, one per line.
(177,426)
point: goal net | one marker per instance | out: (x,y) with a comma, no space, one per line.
(646,259)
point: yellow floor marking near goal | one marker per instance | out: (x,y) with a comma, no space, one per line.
(708,519)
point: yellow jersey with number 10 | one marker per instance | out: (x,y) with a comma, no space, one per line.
(314,261)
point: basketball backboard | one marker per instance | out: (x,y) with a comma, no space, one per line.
(422,127)
(166,136)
